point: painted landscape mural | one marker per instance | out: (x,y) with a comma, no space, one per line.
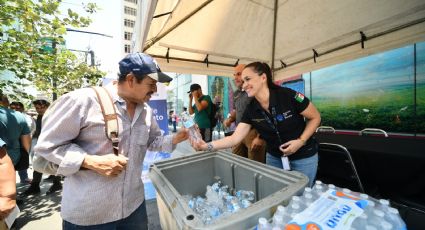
(373,92)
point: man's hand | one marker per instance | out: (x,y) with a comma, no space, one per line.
(107,165)
(182,135)
(6,206)
(190,96)
(257,143)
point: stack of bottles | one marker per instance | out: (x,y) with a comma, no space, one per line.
(219,201)
(376,214)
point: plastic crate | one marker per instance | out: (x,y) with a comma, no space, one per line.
(190,175)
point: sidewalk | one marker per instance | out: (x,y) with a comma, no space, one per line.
(43,211)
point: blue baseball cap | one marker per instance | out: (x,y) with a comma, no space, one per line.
(141,64)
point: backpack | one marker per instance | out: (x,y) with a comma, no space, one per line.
(212,115)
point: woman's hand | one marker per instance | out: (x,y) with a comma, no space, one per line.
(198,145)
(291,147)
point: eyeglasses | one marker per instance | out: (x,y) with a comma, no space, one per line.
(237,74)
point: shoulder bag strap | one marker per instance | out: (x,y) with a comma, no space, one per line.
(109,115)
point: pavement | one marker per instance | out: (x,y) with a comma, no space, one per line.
(42,211)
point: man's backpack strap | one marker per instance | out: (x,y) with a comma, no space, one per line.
(109,115)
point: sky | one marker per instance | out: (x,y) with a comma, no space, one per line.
(107,20)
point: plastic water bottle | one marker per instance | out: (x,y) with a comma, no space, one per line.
(360,221)
(189,124)
(384,205)
(370,208)
(248,195)
(299,201)
(377,218)
(278,222)
(308,199)
(280,211)
(263,224)
(393,217)
(318,190)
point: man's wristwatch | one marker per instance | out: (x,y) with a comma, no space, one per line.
(210,147)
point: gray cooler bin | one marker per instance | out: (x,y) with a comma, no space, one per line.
(190,175)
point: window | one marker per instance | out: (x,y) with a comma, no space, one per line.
(129,23)
(130,11)
(132,1)
(128,35)
(127,48)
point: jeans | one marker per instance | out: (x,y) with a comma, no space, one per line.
(23,175)
(307,166)
(137,220)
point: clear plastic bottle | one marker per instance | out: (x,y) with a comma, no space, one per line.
(370,208)
(377,218)
(280,211)
(318,190)
(189,124)
(384,205)
(298,200)
(393,216)
(278,222)
(360,221)
(263,224)
(308,199)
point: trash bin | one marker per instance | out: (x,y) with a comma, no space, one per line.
(189,175)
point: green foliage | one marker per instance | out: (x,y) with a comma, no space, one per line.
(26,26)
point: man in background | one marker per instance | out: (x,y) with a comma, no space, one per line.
(18,106)
(201,108)
(252,147)
(41,104)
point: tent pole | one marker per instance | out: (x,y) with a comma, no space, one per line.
(274,36)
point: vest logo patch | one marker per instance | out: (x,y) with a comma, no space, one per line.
(299,97)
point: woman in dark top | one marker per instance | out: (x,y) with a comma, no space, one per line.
(286,119)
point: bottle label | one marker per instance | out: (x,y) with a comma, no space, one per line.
(333,210)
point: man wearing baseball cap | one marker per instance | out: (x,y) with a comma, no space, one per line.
(103,190)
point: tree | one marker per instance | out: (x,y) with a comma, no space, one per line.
(32,33)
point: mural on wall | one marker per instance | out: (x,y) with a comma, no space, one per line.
(420,87)
(372,92)
(219,92)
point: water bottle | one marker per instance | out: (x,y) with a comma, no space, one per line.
(393,217)
(278,222)
(248,195)
(308,199)
(263,224)
(360,221)
(299,201)
(370,208)
(189,124)
(280,211)
(364,196)
(384,205)
(318,190)
(377,218)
